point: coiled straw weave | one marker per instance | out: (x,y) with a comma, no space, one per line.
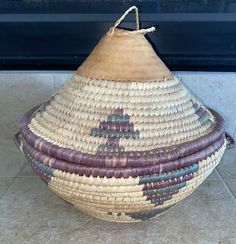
(123,140)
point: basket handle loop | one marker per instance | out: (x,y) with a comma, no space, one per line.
(18,141)
(141,31)
(123,17)
(230,141)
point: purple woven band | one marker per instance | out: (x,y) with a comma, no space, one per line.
(122,159)
(109,172)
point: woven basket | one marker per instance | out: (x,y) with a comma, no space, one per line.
(123,140)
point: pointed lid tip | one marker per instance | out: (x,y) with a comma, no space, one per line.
(124,55)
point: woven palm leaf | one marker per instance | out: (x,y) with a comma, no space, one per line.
(123,139)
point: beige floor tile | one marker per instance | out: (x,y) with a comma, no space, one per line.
(227,167)
(20,92)
(27,171)
(5,182)
(11,160)
(30,213)
(232,187)
(214,175)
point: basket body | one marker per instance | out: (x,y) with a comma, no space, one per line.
(123,140)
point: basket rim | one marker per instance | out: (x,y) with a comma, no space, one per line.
(121,159)
(122,172)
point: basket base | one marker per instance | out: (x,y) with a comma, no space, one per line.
(126,217)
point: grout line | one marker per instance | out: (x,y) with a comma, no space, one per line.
(27,176)
(204,73)
(4,193)
(20,176)
(213,179)
(13,181)
(217,172)
(43,72)
(227,187)
(196,73)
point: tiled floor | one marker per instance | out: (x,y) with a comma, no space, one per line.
(30,213)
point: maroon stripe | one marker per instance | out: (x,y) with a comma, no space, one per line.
(114,141)
(157,196)
(123,172)
(119,111)
(117,126)
(200,112)
(158,185)
(46,177)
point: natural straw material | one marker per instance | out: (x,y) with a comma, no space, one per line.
(142,31)
(125,56)
(123,140)
(123,17)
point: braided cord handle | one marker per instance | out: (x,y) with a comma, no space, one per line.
(143,31)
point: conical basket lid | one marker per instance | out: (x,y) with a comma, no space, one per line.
(124,56)
(124,100)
